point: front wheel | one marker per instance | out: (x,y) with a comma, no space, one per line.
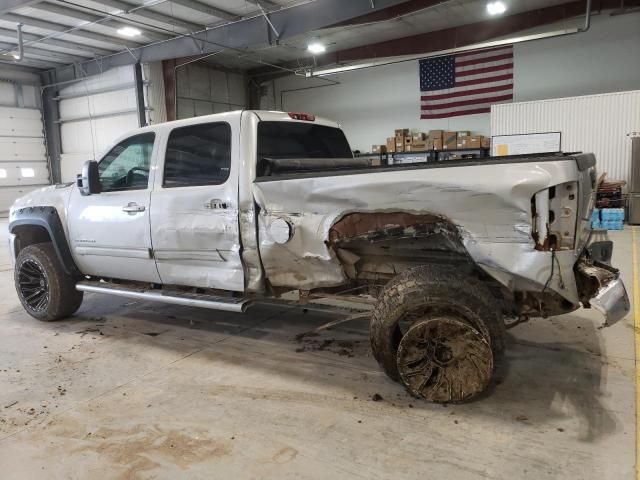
(45,290)
(438,332)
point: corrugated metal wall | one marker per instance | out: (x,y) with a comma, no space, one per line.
(203,90)
(601,124)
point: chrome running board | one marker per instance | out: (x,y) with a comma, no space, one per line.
(228,304)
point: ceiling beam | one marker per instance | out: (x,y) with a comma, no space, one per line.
(58,27)
(207,9)
(151,15)
(449,38)
(147,30)
(392,12)
(468,34)
(8,5)
(288,22)
(81,49)
(49,56)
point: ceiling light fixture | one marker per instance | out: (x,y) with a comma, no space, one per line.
(496,8)
(316,48)
(129,32)
(15,55)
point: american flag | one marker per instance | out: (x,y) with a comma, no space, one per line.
(467,83)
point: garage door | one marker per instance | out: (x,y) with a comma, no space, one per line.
(93,113)
(23,161)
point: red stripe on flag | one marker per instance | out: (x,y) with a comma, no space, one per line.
(506,66)
(476,81)
(456,114)
(464,103)
(476,91)
(487,50)
(483,60)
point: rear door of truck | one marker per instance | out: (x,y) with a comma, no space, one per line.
(194,205)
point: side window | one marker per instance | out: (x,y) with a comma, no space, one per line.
(198,155)
(126,166)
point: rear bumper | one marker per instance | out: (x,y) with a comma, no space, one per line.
(612,301)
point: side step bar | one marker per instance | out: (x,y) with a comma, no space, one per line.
(176,298)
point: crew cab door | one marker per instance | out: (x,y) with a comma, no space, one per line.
(194,207)
(109,231)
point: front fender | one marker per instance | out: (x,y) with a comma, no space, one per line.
(47,218)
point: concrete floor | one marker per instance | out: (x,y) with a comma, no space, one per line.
(140,390)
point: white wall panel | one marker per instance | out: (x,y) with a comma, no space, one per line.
(93,118)
(371,103)
(600,124)
(7,94)
(23,161)
(89,140)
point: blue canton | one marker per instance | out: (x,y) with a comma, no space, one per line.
(437,73)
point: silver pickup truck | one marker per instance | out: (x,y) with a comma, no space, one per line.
(226,210)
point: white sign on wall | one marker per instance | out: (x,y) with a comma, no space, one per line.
(525,144)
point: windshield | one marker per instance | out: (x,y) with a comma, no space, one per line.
(301,140)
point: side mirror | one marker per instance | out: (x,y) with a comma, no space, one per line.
(89,180)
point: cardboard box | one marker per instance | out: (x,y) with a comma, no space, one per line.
(435,134)
(485,142)
(449,140)
(400,147)
(437,144)
(418,137)
(464,133)
(402,132)
(391,144)
(407,140)
(375,162)
(468,141)
(419,146)
(378,149)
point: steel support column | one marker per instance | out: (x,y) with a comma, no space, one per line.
(50,118)
(142,111)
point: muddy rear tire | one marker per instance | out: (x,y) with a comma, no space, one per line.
(431,308)
(44,289)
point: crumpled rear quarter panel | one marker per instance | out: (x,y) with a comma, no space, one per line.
(490,205)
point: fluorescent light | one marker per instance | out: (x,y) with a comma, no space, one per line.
(496,8)
(129,32)
(316,48)
(15,55)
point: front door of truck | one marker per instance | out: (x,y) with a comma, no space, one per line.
(194,207)
(109,231)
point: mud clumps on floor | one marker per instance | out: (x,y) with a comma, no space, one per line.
(376,397)
(344,348)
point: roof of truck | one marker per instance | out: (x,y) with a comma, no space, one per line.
(264,115)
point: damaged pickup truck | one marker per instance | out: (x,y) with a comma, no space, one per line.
(226,210)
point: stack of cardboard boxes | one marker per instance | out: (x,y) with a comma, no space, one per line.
(406,141)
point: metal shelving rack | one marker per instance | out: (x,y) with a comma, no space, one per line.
(431,155)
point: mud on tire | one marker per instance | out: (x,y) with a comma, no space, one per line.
(44,289)
(442,300)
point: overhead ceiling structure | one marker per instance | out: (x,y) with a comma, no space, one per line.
(97,35)
(263,36)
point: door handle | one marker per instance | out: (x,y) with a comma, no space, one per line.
(133,207)
(216,204)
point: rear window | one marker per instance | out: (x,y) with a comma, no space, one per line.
(301,140)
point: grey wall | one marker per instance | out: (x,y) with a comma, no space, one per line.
(204,89)
(371,103)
